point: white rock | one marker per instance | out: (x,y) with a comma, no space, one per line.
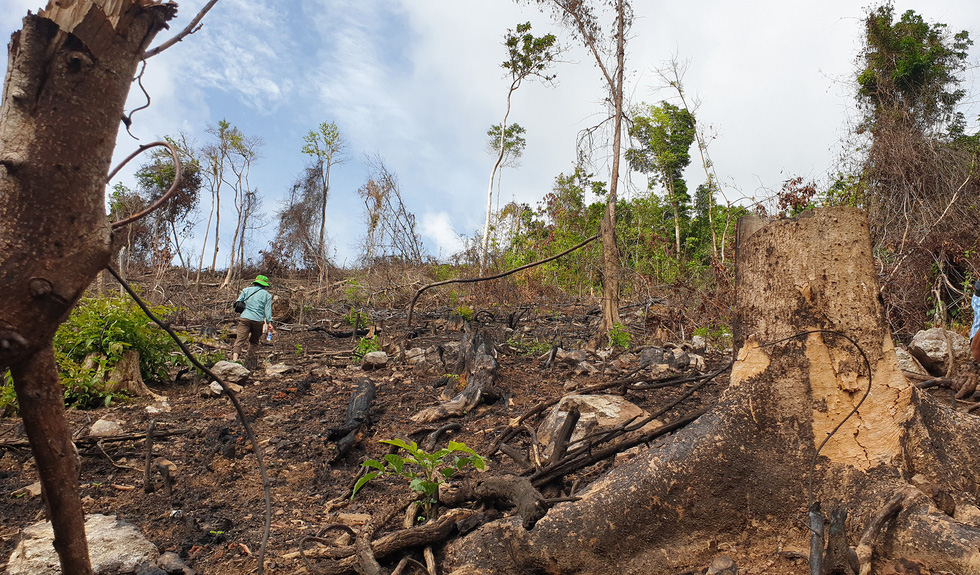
(115,547)
(699,344)
(105,428)
(161,407)
(374,360)
(215,388)
(231,372)
(596,413)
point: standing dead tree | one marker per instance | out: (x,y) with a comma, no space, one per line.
(802,419)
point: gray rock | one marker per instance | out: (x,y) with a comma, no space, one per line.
(929,347)
(231,372)
(150,569)
(722,565)
(572,357)
(906,362)
(652,356)
(115,548)
(174,565)
(105,428)
(414,355)
(374,360)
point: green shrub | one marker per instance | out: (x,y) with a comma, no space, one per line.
(529,347)
(357,318)
(366,345)
(619,337)
(464,311)
(101,330)
(8,398)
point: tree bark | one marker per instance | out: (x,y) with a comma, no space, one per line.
(68,74)
(746,464)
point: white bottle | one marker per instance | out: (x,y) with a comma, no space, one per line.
(268,336)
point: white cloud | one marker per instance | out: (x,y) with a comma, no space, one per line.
(438,229)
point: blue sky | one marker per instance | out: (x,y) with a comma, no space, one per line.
(419,82)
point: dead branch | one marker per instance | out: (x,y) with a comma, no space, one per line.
(89,441)
(187,31)
(411,306)
(434,531)
(165,197)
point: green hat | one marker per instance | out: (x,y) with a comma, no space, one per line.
(261,280)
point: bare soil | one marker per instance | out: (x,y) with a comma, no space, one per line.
(215,514)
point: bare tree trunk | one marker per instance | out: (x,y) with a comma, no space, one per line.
(817,409)
(68,74)
(610,250)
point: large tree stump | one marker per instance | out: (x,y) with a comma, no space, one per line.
(746,464)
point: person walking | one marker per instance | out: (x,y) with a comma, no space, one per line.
(255,318)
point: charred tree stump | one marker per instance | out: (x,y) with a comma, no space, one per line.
(358,417)
(478,365)
(752,459)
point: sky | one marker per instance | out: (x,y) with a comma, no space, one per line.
(418,83)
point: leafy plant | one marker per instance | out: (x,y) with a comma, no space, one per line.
(92,341)
(8,397)
(366,345)
(353,292)
(298,349)
(619,337)
(357,318)
(530,347)
(424,471)
(464,311)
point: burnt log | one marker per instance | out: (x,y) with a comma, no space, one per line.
(503,492)
(358,417)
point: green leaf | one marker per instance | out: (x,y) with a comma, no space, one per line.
(396,462)
(374,463)
(360,482)
(418,484)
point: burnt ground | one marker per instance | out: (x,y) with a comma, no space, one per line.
(215,513)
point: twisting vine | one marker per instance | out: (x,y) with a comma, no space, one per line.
(163,199)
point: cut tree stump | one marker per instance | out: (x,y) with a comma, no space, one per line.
(477,365)
(748,463)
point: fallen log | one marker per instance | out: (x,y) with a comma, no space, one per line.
(504,492)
